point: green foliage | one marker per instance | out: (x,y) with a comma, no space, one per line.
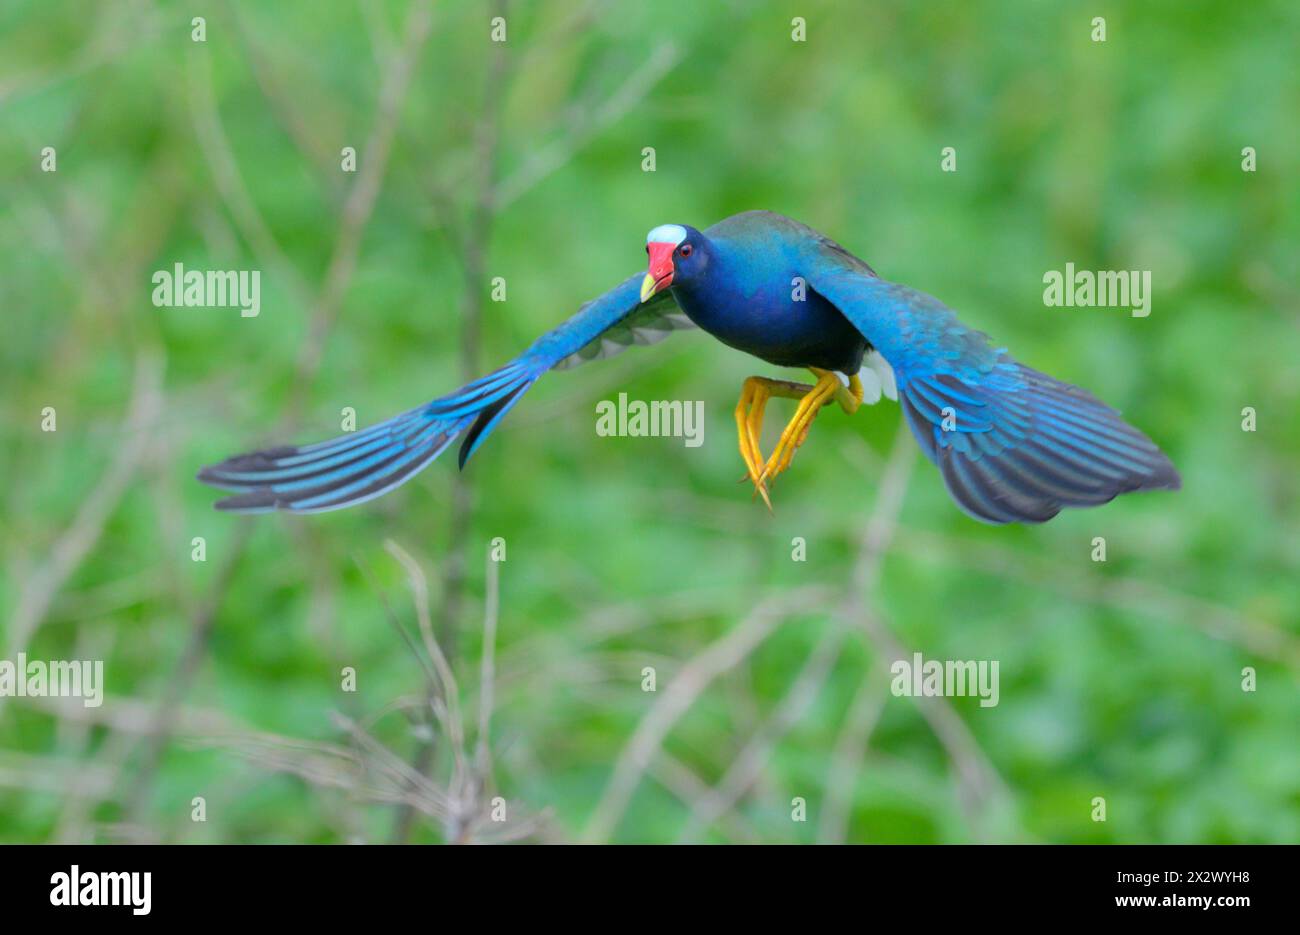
(1119,679)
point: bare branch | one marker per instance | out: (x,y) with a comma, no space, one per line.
(846,757)
(487,670)
(554,155)
(694,677)
(39,587)
(225,172)
(450,690)
(754,755)
(681,781)
(361,199)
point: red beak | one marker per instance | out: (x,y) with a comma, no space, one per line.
(659,276)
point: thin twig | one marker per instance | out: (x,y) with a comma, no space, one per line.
(745,769)
(471,249)
(361,199)
(977,781)
(450,690)
(41,585)
(846,757)
(681,781)
(487,670)
(164,717)
(220,158)
(749,762)
(356,215)
(690,682)
(315,151)
(1130,594)
(557,153)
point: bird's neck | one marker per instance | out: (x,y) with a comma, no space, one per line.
(707,297)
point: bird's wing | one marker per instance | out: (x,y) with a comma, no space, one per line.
(363,465)
(648,324)
(1013,444)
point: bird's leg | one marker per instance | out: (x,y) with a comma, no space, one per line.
(828,387)
(796,431)
(849,397)
(754,395)
(749,401)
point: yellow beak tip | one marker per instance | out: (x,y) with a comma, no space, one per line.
(647,287)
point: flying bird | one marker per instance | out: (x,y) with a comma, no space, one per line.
(1012,444)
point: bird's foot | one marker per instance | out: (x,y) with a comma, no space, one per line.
(828,387)
(754,395)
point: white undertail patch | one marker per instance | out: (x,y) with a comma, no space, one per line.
(877,379)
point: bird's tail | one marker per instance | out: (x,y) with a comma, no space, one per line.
(360,466)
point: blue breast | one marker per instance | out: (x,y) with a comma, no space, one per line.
(754,299)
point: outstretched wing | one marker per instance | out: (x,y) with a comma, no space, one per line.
(363,465)
(1013,444)
(648,324)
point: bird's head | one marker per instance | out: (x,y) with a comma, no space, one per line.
(677,254)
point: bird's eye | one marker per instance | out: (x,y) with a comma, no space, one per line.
(685,249)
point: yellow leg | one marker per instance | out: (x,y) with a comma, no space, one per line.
(828,387)
(850,397)
(797,430)
(754,395)
(749,420)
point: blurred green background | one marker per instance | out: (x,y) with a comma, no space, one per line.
(1120,680)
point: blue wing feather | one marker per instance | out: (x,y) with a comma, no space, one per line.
(360,466)
(1013,444)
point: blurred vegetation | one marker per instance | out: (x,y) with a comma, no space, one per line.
(1119,679)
